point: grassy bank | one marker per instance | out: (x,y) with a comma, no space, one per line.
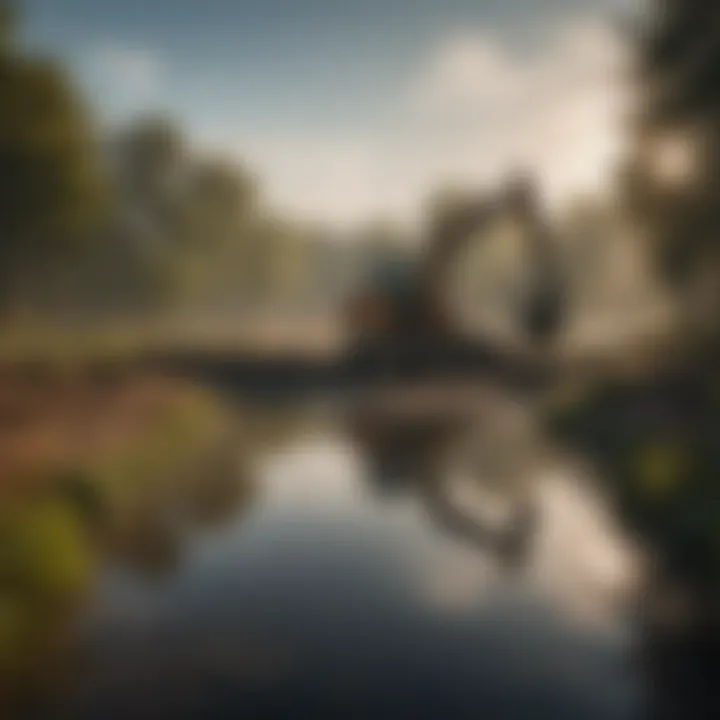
(90,467)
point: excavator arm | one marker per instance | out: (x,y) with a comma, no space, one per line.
(451,232)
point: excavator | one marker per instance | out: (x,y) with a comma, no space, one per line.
(409,321)
(411,327)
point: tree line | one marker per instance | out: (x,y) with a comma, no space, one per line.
(137,220)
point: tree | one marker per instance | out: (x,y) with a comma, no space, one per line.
(673,178)
(149,161)
(218,222)
(183,217)
(51,189)
(654,433)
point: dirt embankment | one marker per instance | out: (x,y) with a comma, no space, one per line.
(52,418)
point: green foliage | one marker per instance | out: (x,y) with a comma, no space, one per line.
(656,446)
(673,180)
(167,225)
(51,190)
(186,225)
(46,565)
(44,549)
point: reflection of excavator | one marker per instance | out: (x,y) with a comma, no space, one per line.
(426,455)
(408,318)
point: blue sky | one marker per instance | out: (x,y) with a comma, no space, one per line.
(270,79)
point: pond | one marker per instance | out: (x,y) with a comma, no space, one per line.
(301,588)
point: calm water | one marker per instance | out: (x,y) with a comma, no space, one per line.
(324,598)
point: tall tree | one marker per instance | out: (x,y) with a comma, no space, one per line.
(674,175)
(50,180)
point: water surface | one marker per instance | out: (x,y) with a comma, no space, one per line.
(323,598)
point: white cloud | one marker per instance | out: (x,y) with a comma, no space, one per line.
(558,109)
(475,110)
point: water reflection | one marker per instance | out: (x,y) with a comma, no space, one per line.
(270,578)
(454,462)
(150,540)
(328,600)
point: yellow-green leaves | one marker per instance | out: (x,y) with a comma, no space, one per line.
(45,550)
(660,468)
